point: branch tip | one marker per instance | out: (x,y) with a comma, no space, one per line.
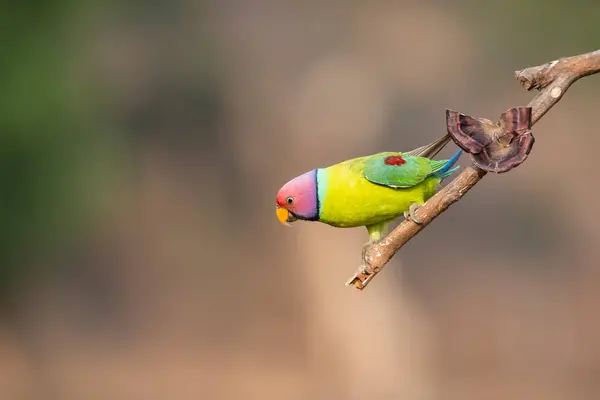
(552,80)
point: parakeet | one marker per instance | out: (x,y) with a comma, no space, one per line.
(369,191)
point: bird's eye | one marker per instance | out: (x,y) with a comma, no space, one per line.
(290,200)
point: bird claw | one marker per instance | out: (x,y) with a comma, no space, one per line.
(411,213)
(363,269)
(366,248)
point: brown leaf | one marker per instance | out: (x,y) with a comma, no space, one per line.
(494,147)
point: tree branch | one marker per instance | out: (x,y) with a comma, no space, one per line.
(552,81)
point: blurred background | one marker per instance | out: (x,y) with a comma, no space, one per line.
(141,147)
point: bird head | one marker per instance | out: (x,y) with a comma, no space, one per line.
(298,199)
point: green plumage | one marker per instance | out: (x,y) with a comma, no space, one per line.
(413,172)
(369,192)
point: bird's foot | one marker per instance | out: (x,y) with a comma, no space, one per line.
(411,213)
(363,269)
(366,248)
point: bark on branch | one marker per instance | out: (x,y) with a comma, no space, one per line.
(552,81)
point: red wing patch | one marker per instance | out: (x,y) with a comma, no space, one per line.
(394,160)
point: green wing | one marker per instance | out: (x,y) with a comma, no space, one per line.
(399,170)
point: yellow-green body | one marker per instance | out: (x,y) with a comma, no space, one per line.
(348,199)
(369,191)
(373,191)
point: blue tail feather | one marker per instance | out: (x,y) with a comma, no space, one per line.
(447,169)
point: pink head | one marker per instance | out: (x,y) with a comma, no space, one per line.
(298,199)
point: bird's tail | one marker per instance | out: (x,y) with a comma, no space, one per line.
(430,150)
(445,169)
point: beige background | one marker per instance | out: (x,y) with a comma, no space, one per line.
(163,273)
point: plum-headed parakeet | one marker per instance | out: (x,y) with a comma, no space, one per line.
(369,191)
